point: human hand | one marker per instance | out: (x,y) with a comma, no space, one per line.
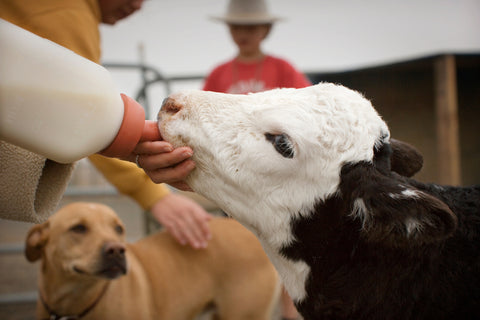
(186,220)
(164,164)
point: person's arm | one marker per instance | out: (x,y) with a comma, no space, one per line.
(130,180)
(33,185)
(185,219)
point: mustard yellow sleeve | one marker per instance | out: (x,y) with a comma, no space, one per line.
(130,180)
(72,24)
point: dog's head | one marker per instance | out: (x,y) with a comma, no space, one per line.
(81,239)
(270,157)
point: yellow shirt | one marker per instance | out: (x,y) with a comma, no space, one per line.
(74,25)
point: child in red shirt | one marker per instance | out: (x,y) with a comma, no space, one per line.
(252,70)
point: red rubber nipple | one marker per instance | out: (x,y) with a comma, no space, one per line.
(134,129)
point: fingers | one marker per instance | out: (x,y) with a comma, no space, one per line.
(197,230)
(186,221)
(190,230)
(153,147)
(164,164)
(171,175)
(157,161)
(149,147)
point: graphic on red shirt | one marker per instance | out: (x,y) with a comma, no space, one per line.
(242,78)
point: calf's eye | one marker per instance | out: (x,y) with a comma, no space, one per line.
(281,143)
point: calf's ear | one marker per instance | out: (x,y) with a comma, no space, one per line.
(405,159)
(36,240)
(393,212)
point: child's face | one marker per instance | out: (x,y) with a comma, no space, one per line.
(249,37)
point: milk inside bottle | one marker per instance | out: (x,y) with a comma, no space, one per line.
(58,104)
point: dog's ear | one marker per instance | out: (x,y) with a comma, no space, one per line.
(36,239)
(405,159)
(391,211)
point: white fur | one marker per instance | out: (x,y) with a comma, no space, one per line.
(406,193)
(240,170)
(409,193)
(413,226)
(360,211)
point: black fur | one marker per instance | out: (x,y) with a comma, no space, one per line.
(378,269)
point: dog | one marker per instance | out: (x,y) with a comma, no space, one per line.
(89,272)
(314,174)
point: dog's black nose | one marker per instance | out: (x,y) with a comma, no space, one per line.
(114,250)
(114,262)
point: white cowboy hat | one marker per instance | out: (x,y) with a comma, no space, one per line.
(247,12)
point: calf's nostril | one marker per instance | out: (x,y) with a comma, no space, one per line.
(169,106)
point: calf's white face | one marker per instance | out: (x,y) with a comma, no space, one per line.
(267,157)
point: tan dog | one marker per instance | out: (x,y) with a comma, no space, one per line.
(84,259)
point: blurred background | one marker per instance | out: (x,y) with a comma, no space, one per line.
(317,35)
(179,38)
(417,60)
(408,57)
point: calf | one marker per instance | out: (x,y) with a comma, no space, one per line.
(311,172)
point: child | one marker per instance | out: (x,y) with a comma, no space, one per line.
(252,70)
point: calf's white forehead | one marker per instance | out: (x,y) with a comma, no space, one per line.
(334,119)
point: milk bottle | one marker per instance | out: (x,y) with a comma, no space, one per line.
(58,104)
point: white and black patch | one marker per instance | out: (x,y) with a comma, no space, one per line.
(314,174)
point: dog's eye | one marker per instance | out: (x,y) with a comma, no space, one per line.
(119,229)
(79,228)
(281,143)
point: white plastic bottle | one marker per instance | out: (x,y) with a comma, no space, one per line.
(58,104)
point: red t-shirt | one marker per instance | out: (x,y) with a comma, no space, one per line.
(240,77)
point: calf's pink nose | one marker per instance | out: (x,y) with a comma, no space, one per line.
(170,106)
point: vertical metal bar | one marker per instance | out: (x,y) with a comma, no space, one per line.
(143,72)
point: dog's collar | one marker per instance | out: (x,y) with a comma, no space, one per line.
(54,316)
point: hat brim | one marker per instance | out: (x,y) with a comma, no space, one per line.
(246,20)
